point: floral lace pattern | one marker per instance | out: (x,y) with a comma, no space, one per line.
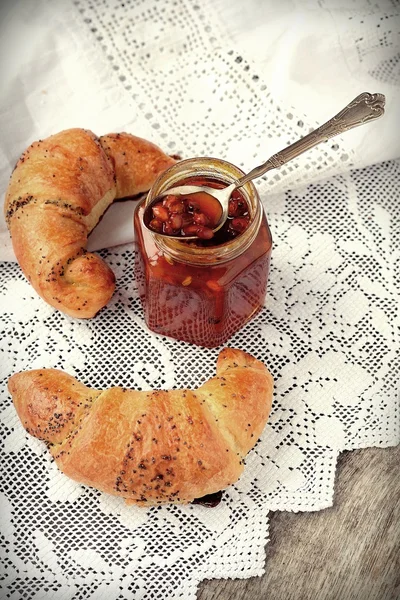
(328,334)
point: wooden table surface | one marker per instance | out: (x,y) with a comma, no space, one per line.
(350,551)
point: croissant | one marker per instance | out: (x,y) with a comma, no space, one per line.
(149,447)
(58,191)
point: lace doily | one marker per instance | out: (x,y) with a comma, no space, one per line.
(328,333)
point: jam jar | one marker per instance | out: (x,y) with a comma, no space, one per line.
(203,291)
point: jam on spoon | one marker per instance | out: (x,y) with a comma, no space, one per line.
(193,215)
(197,215)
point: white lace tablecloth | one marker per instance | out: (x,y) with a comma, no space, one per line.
(232,81)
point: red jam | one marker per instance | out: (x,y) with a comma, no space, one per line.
(199,213)
(196,214)
(204,304)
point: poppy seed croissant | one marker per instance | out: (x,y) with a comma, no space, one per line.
(58,191)
(150,447)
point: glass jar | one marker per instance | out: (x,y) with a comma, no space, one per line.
(202,295)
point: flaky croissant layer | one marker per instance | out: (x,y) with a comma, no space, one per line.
(60,188)
(149,447)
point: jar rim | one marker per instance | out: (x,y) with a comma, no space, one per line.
(222,170)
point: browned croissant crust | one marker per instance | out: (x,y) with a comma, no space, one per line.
(149,447)
(60,188)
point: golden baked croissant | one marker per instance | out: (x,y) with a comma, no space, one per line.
(60,188)
(149,447)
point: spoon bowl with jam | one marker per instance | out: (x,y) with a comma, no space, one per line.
(197,211)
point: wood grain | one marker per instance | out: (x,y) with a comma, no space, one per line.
(348,552)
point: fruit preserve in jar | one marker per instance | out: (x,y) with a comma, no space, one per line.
(202,291)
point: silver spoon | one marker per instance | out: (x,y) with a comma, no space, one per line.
(365,107)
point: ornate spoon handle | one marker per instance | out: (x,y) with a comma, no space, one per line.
(366,107)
